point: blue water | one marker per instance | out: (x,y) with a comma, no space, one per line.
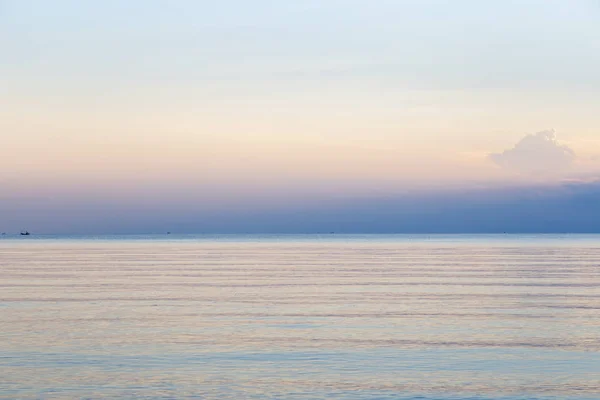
(300,317)
(522,239)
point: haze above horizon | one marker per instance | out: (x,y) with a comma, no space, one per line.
(346,116)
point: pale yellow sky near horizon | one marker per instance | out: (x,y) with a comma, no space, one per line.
(394,93)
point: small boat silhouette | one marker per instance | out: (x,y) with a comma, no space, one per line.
(25,233)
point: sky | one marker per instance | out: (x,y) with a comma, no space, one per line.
(299,116)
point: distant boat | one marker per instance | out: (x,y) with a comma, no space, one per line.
(25,233)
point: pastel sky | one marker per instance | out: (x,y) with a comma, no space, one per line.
(152,115)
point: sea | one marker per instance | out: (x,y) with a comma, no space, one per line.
(429,317)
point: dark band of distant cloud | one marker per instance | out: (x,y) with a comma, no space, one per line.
(566,207)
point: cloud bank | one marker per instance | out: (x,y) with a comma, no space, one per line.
(537,154)
(556,208)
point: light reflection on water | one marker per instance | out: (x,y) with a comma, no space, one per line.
(290,317)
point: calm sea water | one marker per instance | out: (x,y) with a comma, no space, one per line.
(300,317)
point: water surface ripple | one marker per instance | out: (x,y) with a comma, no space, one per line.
(300,317)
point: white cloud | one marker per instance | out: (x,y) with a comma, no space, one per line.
(538,154)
